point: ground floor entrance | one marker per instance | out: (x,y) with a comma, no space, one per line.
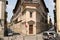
(30,29)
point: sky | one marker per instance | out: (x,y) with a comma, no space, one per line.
(12,3)
(10,7)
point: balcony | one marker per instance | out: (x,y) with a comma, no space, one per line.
(30,1)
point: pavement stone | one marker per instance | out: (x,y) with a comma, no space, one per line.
(20,37)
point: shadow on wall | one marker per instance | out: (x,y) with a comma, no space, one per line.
(1,39)
(9,31)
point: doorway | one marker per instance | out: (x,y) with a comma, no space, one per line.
(30,29)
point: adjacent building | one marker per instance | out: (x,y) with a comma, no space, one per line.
(2,16)
(50,25)
(5,24)
(58,15)
(29,17)
(55,17)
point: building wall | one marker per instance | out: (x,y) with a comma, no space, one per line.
(28,16)
(55,17)
(58,16)
(29,19)
(25,20)
(2,11)
(40,22)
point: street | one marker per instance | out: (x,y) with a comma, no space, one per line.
(35,37)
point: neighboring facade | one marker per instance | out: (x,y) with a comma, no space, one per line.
(29,17)
(50,25)
(58,15)
(48,19)
(2,16)
(5,24)
(55,17)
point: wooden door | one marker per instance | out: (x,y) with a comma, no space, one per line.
(30,29)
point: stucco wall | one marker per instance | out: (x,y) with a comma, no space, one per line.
(58,15)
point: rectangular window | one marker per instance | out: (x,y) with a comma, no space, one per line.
(1,23)
(30,14)
(16,21)
(45,21)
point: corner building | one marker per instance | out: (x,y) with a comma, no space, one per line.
(29,17)
(2,16)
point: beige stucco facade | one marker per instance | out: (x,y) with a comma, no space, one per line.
(31,19)
(58,15)
(2,13)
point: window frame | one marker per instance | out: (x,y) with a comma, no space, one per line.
(30,14)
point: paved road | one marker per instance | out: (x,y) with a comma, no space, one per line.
(19,37)
(57,38)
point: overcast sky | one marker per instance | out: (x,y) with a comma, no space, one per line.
(11,5)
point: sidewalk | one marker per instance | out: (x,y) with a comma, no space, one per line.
(58,38)
(20,37)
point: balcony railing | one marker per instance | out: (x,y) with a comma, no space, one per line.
(30,1)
